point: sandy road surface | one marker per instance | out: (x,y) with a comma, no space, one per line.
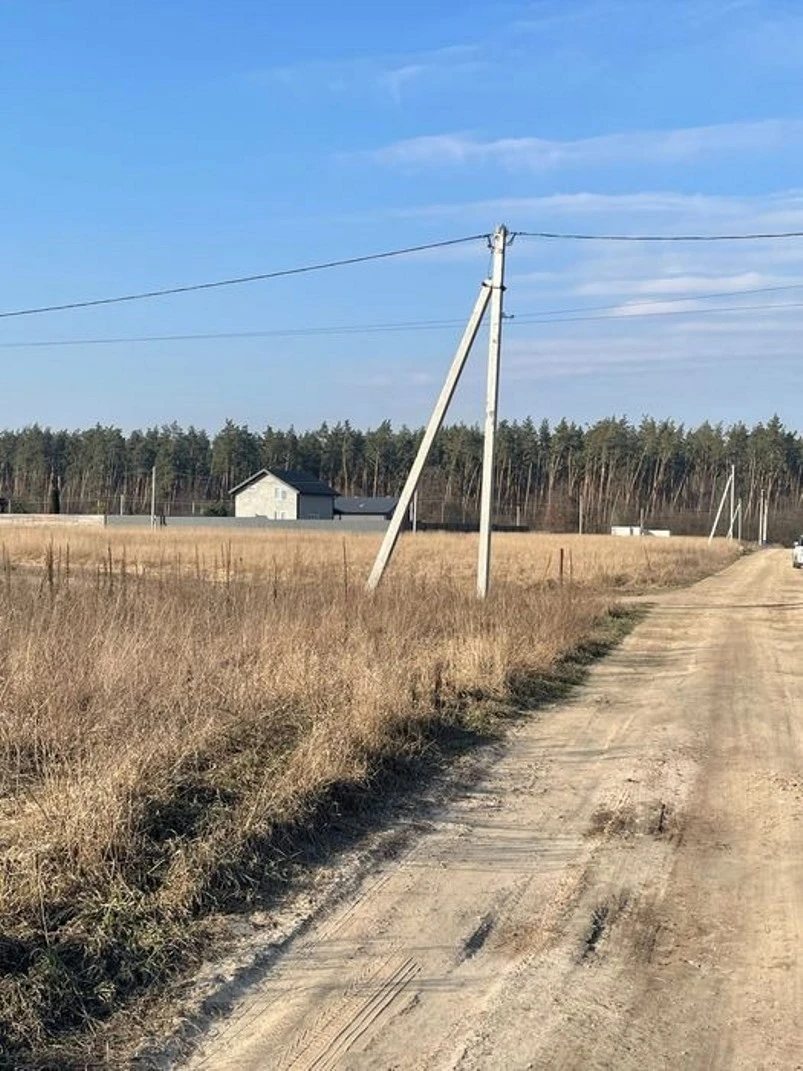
(623,889)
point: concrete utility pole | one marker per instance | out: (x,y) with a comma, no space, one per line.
(490,293)
(766,517)
(728,486)
(153,497)
(733,509)
(733,501)
(435,421)
(491,407)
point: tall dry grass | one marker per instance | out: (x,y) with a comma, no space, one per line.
(173,706)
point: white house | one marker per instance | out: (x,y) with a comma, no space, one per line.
(283,495)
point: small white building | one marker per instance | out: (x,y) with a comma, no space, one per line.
(637,530)
(283,495)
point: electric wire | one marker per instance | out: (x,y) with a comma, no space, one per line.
(236,281)
(657,237)
(386,254)
(706,295)
(624,318)
(543,316)
(347,329)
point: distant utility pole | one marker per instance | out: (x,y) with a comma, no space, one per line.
(733,501)
(491,407)
(153,497)
(766,517)
(728,486)
(122,503)
(580,516)
(490,293)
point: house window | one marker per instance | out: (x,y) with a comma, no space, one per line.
(277,492)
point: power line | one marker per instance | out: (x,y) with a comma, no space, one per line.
(423,325)
(541,316)
(347,329)
(513,320)
(347,261)
(704,296)
(526,319)
(384,255)
(657,237)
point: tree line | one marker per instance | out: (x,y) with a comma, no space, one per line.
(616,468)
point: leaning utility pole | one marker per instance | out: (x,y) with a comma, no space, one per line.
(435,421)
(490,293)
(491,406)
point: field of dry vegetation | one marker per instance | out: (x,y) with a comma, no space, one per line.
(176,705)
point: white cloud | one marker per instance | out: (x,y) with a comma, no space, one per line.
(576,350)
(680,284)
(587,203)
(654,308)
(544,18)
(539,154)
(437,66)
(390,74)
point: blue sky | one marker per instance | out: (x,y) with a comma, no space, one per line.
(154,145)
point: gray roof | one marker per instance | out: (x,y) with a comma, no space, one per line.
(299,481)
(369,506)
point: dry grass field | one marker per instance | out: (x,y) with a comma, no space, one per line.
(175,705)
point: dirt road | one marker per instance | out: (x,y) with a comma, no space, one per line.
(623,889)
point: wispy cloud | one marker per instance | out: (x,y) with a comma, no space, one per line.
(390,74)
(647,202)
(654,308)
(578,350)
(435,67)
(540,154)
(680,283)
